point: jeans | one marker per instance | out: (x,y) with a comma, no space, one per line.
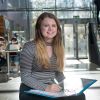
(14,59)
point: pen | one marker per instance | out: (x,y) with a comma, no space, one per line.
(58,82)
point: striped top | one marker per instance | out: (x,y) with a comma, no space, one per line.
(32,73)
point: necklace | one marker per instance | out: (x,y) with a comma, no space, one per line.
(48,44)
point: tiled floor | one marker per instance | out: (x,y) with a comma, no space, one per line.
(80,69)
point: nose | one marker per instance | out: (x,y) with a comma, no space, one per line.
(50,28)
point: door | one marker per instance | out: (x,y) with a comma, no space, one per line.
(75,38)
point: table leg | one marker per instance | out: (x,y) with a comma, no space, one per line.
(8,63)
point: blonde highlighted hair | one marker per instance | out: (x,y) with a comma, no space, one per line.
(57,46)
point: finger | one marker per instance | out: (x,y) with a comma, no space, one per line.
(56,89)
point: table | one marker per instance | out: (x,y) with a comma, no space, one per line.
(8,58)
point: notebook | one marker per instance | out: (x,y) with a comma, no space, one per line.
(68,91)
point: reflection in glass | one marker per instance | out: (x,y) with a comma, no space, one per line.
(82,41)
(69,41)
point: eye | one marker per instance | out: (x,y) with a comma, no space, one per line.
(54,25)
(45,25)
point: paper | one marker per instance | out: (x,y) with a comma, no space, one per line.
(75,88)
(51,95)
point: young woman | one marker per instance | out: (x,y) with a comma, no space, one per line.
(14,56)
(42,60)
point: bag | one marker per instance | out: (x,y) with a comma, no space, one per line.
(2,61)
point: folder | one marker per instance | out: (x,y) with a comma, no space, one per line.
(86,83)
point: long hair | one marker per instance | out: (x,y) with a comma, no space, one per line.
(58,49)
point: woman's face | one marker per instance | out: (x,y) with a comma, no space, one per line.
(48,28)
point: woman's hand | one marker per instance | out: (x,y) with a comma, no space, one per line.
(53,88)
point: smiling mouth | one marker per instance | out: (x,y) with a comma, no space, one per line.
(50,33)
